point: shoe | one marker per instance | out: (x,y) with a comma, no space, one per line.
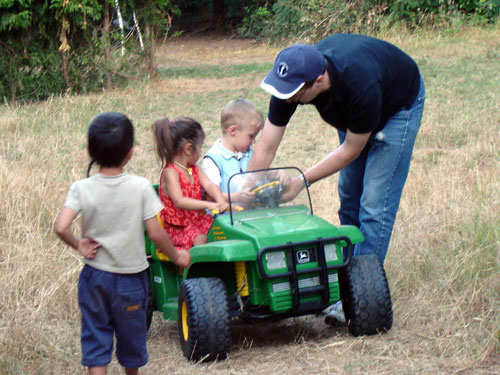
(334,313)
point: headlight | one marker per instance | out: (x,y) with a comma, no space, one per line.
(275,260)
(330,252)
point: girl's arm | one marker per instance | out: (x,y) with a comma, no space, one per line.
(213,173)
(213,190)
(170,181)
(86,246)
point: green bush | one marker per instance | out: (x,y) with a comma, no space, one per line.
(315,19)
(50,47)
(255,21)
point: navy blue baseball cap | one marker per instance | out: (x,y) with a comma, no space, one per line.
(293,67)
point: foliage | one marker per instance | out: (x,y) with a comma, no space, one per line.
(315,19)
(310,19)
(57,46)
(34,34)
(255,21)
(414,12)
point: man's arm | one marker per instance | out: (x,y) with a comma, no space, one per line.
(267,146)
(339,158)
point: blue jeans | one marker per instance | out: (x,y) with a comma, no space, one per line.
(113,305)
(370,187)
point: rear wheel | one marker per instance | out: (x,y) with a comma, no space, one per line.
(366,297)
(204,329)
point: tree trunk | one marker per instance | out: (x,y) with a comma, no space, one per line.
(150,51)
(63,50)
(106,47)
(218,12)
(13,82)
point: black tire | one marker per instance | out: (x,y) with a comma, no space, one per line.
(204,321)
(366,297)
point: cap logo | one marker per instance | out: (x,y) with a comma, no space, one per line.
(282,69)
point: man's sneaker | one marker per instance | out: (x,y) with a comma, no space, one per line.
(334,313)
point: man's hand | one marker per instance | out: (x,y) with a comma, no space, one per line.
(88,247)
(294,187)
(283,177)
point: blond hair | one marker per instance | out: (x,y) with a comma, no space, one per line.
(240,112)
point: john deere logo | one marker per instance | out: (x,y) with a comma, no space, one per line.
(303,256)
(282,69)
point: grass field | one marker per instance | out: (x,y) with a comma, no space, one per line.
(443,265)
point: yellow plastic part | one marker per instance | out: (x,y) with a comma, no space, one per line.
(160,220)
(162,256)
(185,327)
(259,189)
(159,255)
(241,278)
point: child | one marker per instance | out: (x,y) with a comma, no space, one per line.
(113,284)
(241,121)
(179,145)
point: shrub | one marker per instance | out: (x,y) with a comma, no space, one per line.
(315,19)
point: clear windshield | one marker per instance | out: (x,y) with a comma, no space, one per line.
(266,189)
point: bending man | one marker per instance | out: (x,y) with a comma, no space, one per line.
(373,94)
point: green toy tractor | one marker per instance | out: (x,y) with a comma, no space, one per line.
(267,258)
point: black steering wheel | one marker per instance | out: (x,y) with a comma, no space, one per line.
(267,193)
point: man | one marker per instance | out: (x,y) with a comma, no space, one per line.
(373,94)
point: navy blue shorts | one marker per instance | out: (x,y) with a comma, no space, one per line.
(113,304)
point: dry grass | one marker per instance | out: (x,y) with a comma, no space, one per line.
(443,265)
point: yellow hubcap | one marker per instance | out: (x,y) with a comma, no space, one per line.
(185,328)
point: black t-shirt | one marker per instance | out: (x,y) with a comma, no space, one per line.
(371,81)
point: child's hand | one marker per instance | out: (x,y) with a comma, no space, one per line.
(88,247)
(184,258)
(220,206)
(246,195)
(217,207)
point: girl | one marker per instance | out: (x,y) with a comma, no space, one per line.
(178,144)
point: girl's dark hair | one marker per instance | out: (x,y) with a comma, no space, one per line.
(110,138)
(170,136)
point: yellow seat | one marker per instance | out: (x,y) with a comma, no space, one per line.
(158,254)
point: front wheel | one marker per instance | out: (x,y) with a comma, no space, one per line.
(366,298)
(204,329)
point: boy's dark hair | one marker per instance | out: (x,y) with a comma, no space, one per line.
(171,135)
(110,138)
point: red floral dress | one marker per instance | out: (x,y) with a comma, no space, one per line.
(184,225)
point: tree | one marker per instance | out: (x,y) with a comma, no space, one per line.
(54,46)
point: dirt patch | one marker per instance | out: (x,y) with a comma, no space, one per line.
(187,85)
(213,49)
